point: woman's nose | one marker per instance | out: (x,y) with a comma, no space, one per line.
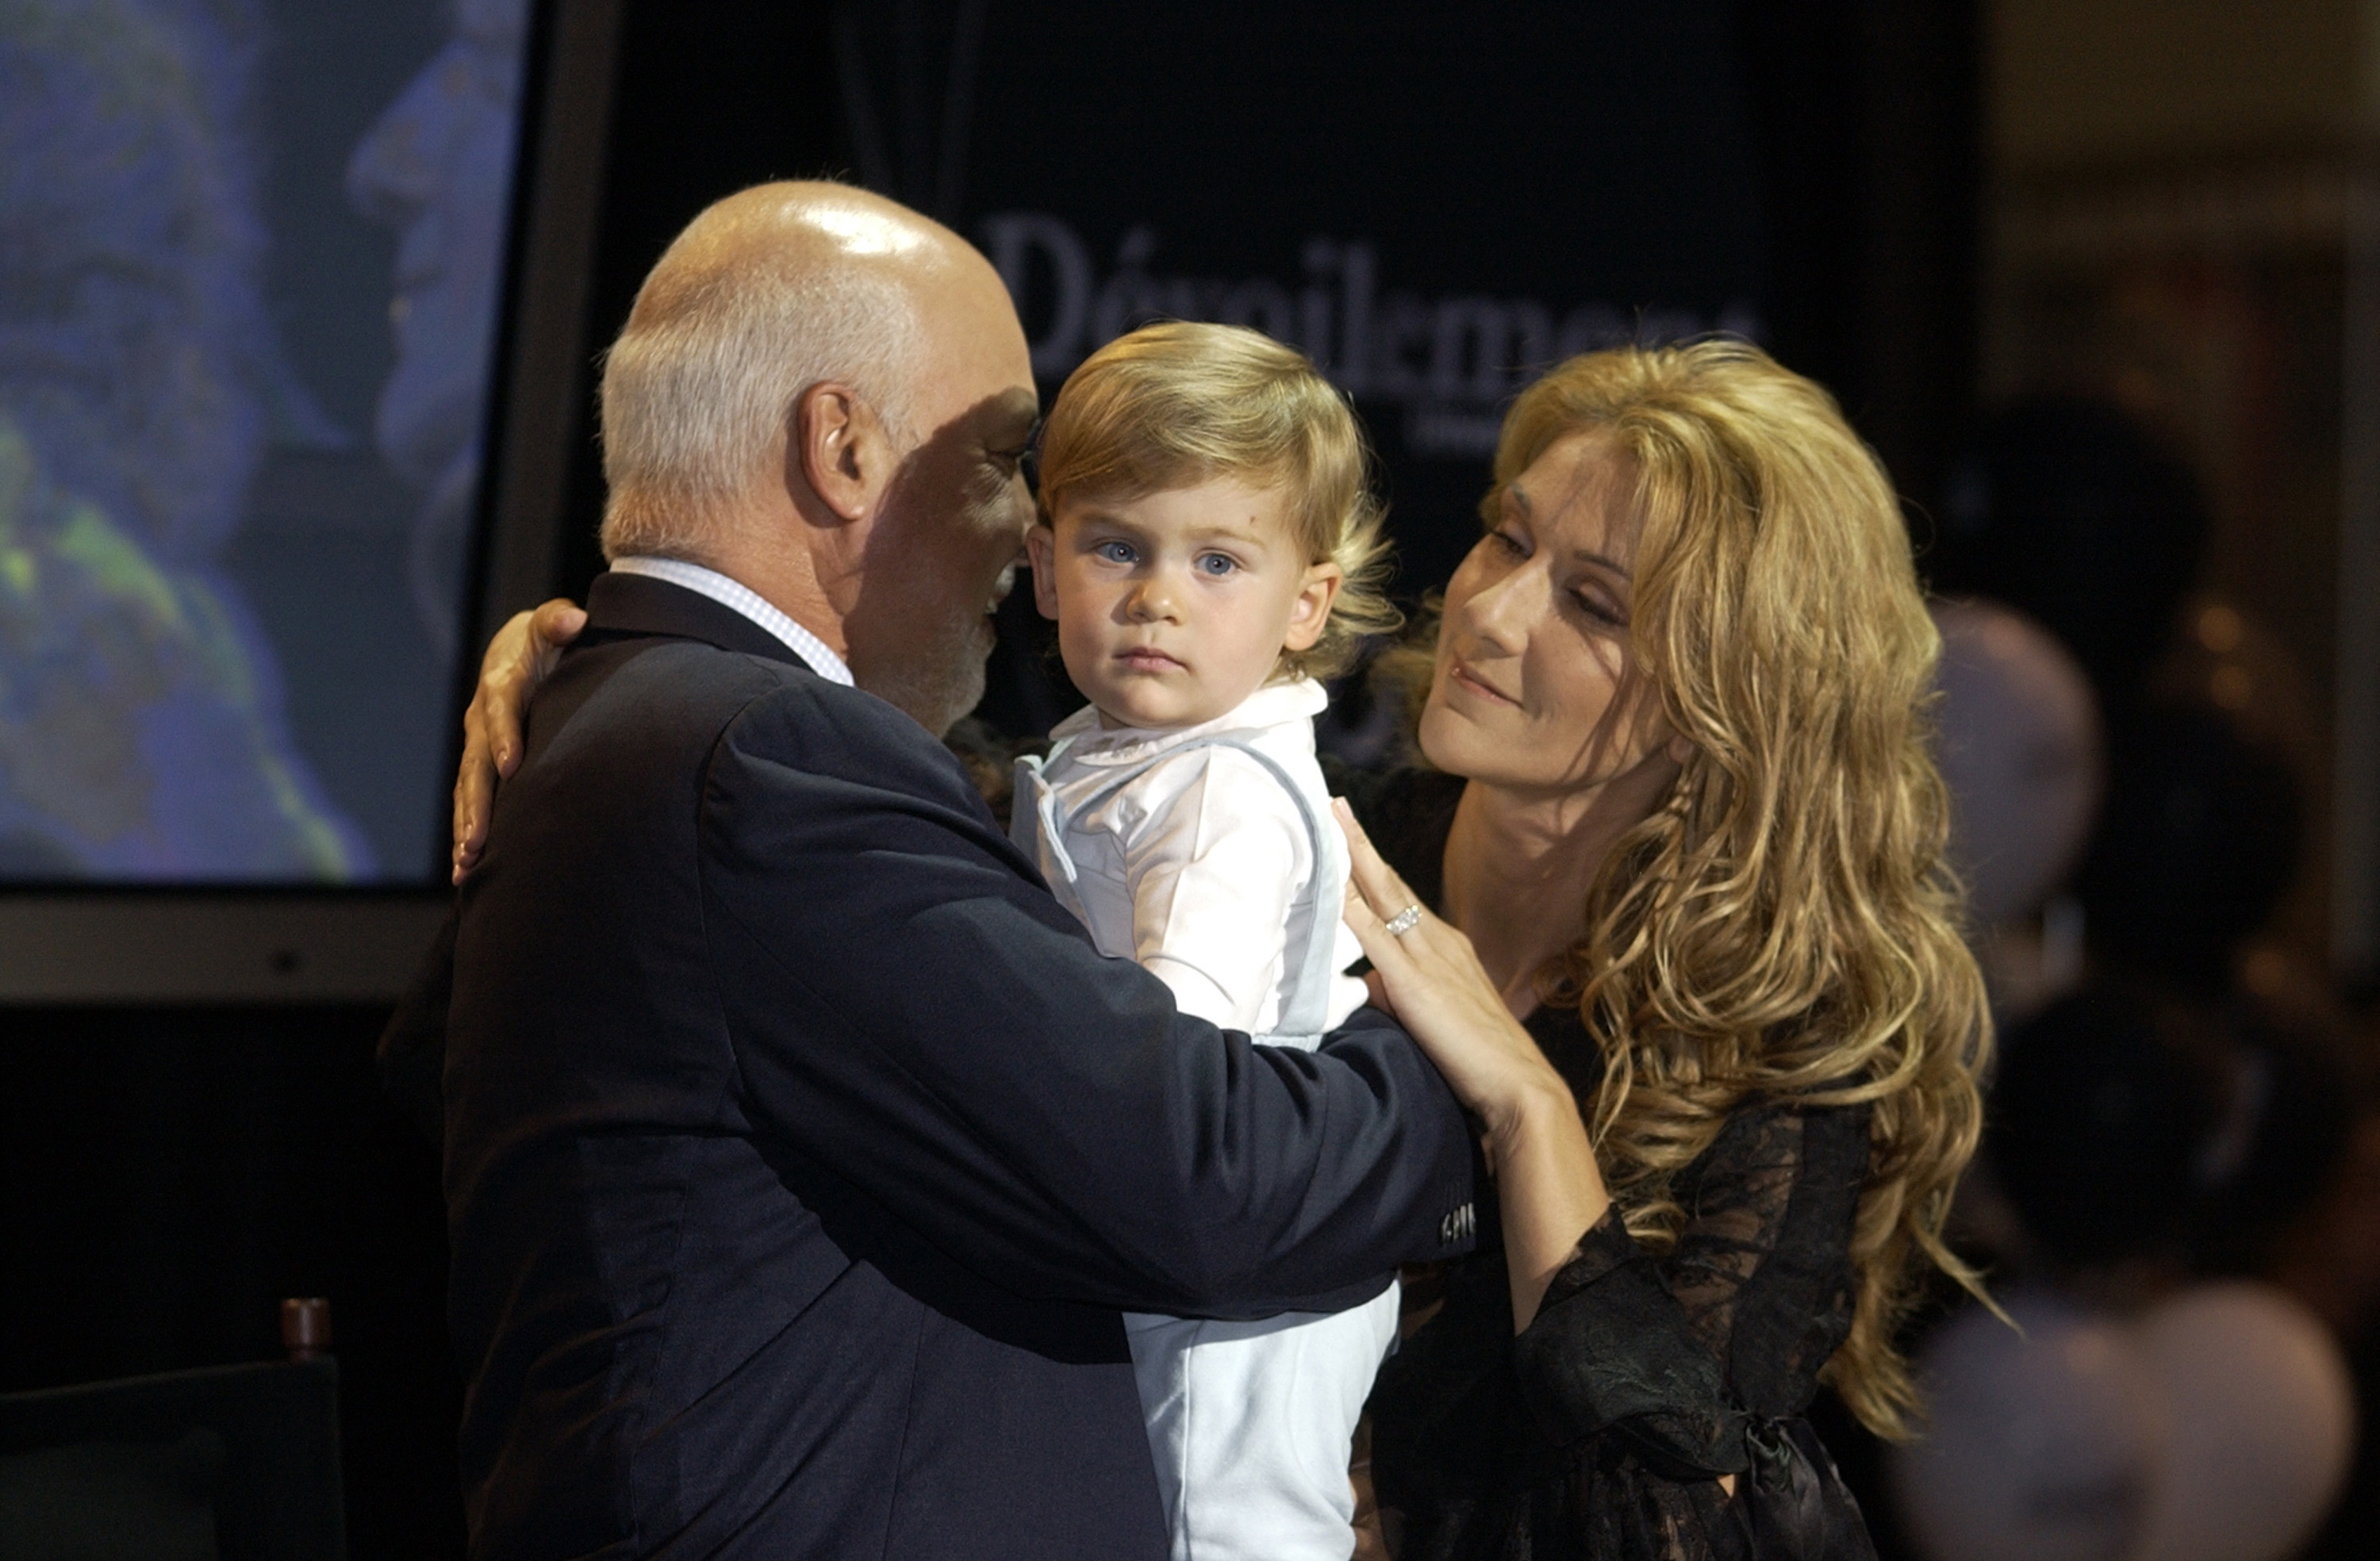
(1498,613)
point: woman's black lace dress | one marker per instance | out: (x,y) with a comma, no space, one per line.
(1601,1431)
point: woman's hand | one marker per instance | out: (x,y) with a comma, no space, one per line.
(520,658)
(1546,1181)
(1431,980)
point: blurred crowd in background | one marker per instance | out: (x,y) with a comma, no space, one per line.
(2144,558)
(2179,1196)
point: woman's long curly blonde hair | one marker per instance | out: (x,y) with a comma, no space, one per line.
(1784,925)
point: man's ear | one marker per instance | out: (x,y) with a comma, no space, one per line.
(1310,613)
(840,448)
(1041,547)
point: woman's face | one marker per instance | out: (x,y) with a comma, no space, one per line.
(1536,689)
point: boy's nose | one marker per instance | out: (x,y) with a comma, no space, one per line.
(1152,601)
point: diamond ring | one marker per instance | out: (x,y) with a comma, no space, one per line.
(1404,921)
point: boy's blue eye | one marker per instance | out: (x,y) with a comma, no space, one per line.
(1114,552)
(1216,564)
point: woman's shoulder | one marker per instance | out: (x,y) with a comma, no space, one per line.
(1819,1141)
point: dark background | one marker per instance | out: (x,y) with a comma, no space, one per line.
(1818,163)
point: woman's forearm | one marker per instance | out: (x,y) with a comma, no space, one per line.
(1550,1189)
(1429,975)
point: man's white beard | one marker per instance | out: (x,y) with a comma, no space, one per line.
(923,651)
(935,691)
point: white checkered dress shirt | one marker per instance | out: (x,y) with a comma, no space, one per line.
(744,600)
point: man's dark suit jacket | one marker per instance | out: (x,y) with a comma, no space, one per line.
(800,1149)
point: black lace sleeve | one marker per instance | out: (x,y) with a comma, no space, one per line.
(1674,1353)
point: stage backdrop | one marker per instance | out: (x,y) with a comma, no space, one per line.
(1435,202)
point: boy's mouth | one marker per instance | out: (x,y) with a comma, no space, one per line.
(1148,658)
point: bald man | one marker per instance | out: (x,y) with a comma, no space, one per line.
(800,1152)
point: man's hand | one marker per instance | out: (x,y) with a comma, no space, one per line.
(520,658)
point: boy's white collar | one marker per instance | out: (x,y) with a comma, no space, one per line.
(1295,700)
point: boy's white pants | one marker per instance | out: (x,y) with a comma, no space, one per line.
(1252,1424)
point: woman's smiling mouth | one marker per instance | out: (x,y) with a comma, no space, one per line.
(1462,677)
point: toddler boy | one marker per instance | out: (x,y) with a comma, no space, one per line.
(1210,549)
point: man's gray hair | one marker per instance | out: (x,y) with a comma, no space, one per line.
(701,386)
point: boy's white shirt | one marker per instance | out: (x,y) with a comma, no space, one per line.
(1196,867)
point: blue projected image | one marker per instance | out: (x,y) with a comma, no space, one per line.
(437,169)
(249,259)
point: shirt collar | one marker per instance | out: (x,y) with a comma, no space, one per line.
(734,594)
(1275,702)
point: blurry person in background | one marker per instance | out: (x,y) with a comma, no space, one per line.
(2159,1403)
(438,167)
(142,733)
(2203,833)
(2161,1139)
(2017,735)
(2162,1192)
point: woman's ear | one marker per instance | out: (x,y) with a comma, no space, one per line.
(1041,547)
(1310,613)
(1680,751)
(838,447)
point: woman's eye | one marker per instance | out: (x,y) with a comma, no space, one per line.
(1216,564)
(1601,610)
(1114,552)
(1506,543)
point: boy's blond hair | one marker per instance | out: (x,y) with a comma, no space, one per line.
(1176,403)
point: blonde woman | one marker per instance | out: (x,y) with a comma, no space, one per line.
(1667,907)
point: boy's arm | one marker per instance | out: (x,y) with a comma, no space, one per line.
(1214,869)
